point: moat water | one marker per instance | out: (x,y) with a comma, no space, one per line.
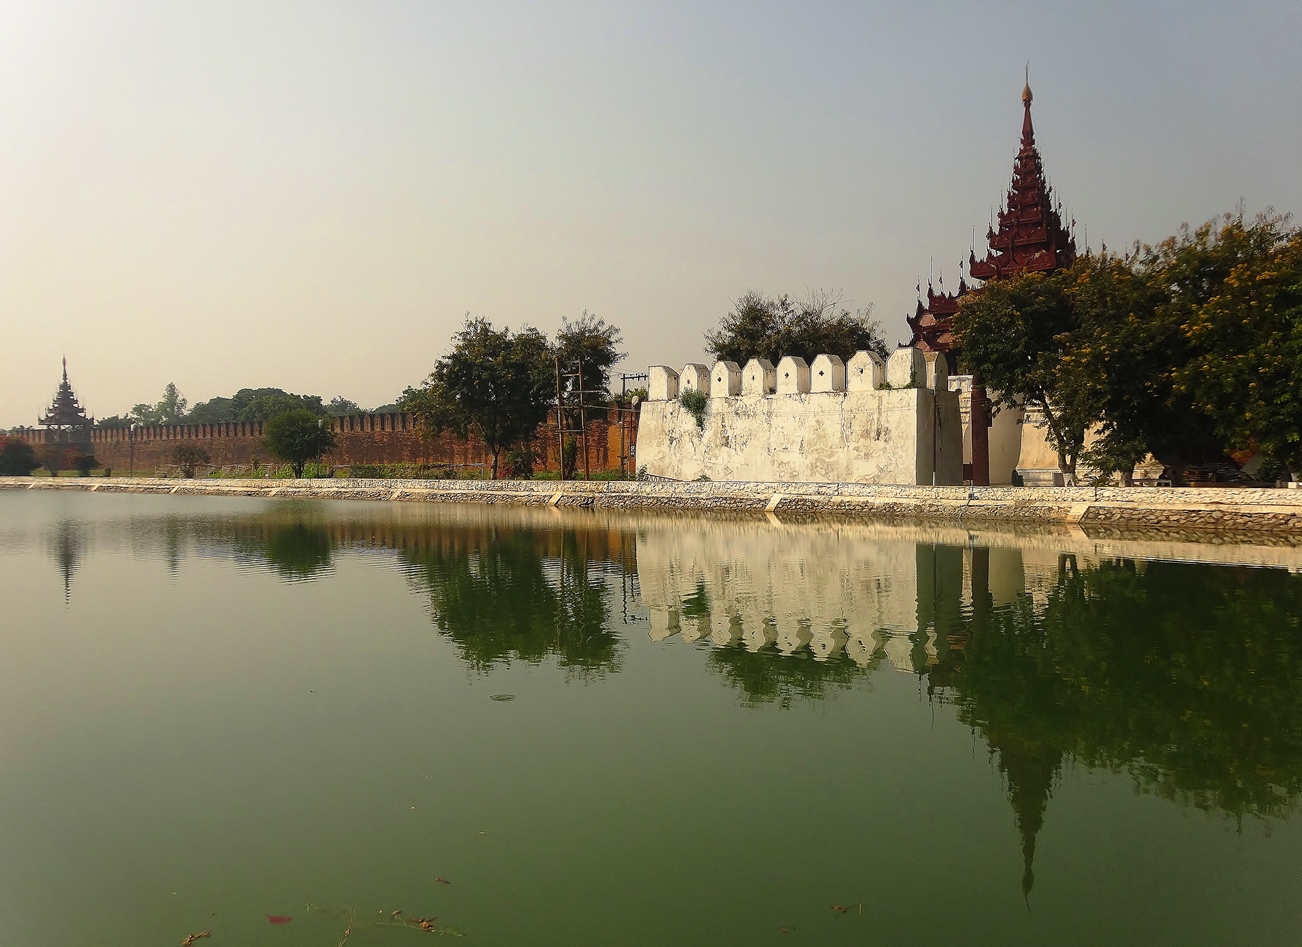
(282,722)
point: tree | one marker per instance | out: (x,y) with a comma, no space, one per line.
(17,458)
(341,407)
(587,348)
(1020,336)
(187,457)
(296,436)
(760,327)
(1245,341)
(84,464)
(494,383)
(170,409)
(253,404)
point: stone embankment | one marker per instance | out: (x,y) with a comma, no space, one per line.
(1107,508)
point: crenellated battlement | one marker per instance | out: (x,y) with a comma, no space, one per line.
(867,420)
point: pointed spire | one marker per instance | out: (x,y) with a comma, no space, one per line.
(1028,131)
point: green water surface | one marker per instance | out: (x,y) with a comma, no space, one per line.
(546,728)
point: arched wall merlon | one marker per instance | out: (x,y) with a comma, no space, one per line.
(937,371)
(793,376)
(694,377)
(758,378)
(906,368)
(827,374)
(662,383)
(725,380)
(865,372)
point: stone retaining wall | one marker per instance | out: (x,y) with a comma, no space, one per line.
(1208,511)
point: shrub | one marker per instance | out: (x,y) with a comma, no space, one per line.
(17,459)
(84,464)
(694,403)
(187,457)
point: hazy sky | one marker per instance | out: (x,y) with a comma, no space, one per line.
(312,193)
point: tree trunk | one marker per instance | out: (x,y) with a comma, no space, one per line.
(496,452)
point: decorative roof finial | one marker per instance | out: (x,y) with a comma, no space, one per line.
(1026,89)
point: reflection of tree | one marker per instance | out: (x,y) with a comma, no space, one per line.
(67,545)
(768,676)
(502,592)
(1188,678)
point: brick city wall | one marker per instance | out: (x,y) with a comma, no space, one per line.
(360,439)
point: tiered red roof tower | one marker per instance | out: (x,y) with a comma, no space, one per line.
(65,412)
(1031,239)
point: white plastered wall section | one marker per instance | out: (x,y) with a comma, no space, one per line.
(871,423)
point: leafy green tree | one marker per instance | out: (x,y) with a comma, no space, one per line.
(761,327)
(1245,366)
(170,409)
(253,404)
(494,383)
(1020,335)
(296,436)
(84,464)
(17,458)
(586,350)
(340,407)
(187,457)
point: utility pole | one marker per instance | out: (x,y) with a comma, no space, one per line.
(560,423)
(583,423)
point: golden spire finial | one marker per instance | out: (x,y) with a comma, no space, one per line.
(1026,89)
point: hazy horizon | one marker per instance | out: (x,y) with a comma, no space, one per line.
(312,195)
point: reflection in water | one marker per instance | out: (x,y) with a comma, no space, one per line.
(67,543)
(1186,677)
(503,592)
(1055,650)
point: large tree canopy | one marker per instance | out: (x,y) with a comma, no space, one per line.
(496,384)
(763,327)
(296,436)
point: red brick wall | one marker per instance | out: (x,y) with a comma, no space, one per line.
(364,439)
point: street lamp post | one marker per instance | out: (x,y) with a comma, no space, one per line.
(320,422)
(131,440)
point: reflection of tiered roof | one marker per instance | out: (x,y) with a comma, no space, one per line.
(1031,239)
(65,411)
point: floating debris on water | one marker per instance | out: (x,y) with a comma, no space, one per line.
(502,697)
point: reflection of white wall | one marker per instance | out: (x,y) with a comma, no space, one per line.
(819,587)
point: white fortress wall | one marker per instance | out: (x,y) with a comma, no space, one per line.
(855,422)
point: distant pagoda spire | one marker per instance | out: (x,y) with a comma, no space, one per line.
(1030,238)
(65,411)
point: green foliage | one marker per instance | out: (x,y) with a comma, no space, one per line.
(694,403)
(340,407)
(1188,349)
(254,404)
(1244,370)
(187,457)
(760,327)
(17,458)
(114,422)
(1019,335)
(593,343)
(170,409)
(84,464)
(496,384)
(296,436)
